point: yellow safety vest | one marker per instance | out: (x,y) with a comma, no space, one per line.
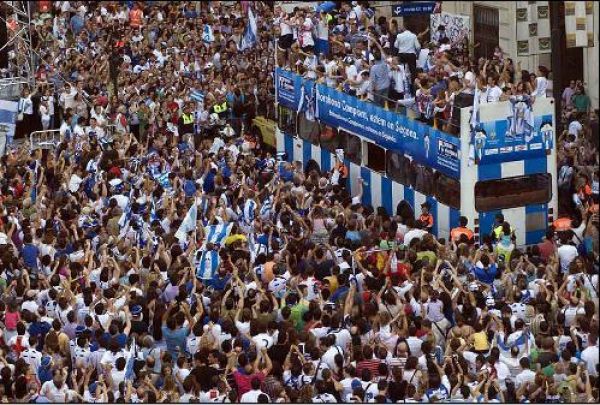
(219,108)
(188,119)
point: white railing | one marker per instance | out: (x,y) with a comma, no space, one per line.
(48,139)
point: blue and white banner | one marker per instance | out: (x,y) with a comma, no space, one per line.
(390,130)
(188,224)
(207,34)
(8,120)
(308,100)
(250,33)
(288,89)
(216,234)
(207,264)
(521,136)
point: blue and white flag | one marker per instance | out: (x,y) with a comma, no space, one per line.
(129,374)
(308,98)
(163,180)
(126,215)
(197,95)
(265,209)
(207,265)
(475,125)
(207,34)
(249,211)
(217,234)
(250,33)
(188,224)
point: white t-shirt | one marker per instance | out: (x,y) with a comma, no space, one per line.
(575,127)
(541,84)
(566,254)
(251,396)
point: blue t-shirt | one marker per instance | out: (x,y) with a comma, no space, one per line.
(486,276)
(30,255)
(175,339)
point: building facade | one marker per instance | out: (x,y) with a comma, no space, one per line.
(494,23)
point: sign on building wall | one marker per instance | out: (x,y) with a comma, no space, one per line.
(413,8)
(457,26)
(579,23)
(533,28)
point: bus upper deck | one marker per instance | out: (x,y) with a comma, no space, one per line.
(506,165)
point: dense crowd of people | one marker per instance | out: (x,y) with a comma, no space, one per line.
(162,252)
(379,60)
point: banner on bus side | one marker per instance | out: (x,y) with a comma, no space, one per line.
(495,142)
(388,129)
(288,89)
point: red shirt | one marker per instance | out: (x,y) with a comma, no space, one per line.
(546,249)
(243,381)
(372,365)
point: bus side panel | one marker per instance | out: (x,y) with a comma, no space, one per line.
(516,217)
(537,214)
(486,219)
(288,146)
(437,211)
(306,152)
(375,188)
(397,195)
(325,160)
(386,196)
(281,139)
(365,174)
(454,218)
(315,153)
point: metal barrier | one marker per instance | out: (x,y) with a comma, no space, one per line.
(48,139)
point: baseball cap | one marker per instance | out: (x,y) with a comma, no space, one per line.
(136,310)
(92,387)
(355,384)
(79,329)
(46,360)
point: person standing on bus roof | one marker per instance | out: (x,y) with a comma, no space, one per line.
(462,234)
(426,218)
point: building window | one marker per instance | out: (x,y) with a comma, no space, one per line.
(511,192)
(447,190)
(375,157)
(485,30)
(308,130)
(396,166)
(352,147)
(286,120)
(329,138)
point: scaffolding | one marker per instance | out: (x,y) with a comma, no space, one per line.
(21,55)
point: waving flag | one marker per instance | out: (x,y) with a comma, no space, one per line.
(129,374)
(188,224)
(249,37)
(207,34)
(217,234)
(163,180)
(126,216)
(207,265)
(475,125)
(248,211)
(197,95)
